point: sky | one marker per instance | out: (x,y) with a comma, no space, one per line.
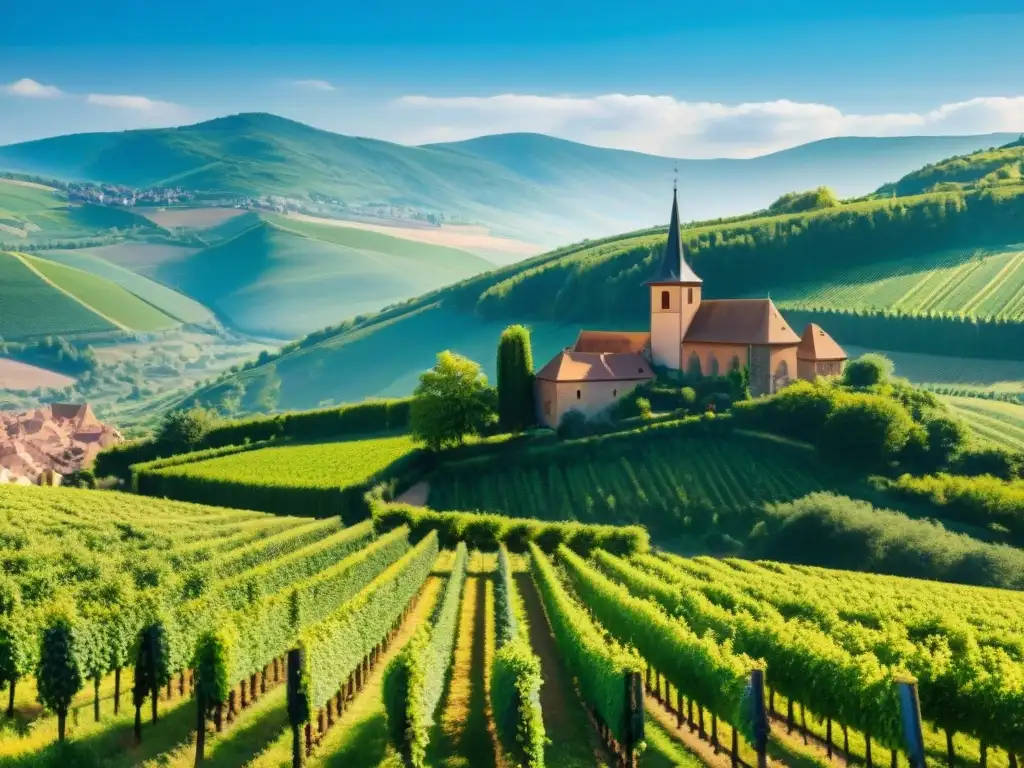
(730,78)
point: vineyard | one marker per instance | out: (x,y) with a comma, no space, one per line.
(998,422)
(643,481)
(976,283)
(156,632)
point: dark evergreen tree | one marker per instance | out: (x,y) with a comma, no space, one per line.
(59,676)
(515,380)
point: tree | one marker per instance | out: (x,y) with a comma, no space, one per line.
(866,429)
(516,409)
(59,675)
(152,671)
(452,400)
(947,439)
(868,370)
(183,430)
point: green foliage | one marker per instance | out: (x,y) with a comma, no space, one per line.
(516,409)
(573,424)
(451,402)
(59,675)
(866,429)
(984,168)
(799,202)
(837,532)
(515,677)
(333,647)
(211,664)
(153,663)
(183,430)
(414,680)
(599,665)
(948,437)
(867,371)
(485,532)
(700,668)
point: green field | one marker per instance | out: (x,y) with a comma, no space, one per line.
(976,283)
(171,303)
(24,293)
(997,421)
(659,483)
(323,465)
(284,278)
(107,298)
(30,213)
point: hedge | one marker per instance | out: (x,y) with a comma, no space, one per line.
(485,532)
(414,681)
(515,676)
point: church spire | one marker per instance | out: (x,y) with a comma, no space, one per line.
(673,267)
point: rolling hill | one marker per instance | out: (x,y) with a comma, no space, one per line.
(529,186)
(41,298)
(283,278)
(599,284)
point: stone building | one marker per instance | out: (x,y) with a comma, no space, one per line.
(687,334)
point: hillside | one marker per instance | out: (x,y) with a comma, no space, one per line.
(599,284)
(529,186)
(993,167)
(283,278)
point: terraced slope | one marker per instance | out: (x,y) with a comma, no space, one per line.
(997,421)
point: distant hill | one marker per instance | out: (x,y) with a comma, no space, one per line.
(283,278)
(986,168)
(802,258)
(529,186)
(41,297)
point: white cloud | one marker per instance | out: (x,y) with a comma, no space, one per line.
(665,125)
(32,89)
(313,85)
(134,103)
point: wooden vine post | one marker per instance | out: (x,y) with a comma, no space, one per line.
(635,716)
(910,715)
(758,717)
(298,709)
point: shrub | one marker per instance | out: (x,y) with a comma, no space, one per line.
(184,430)
(997,461)
(799,410)
(866,429)
(947,439)
(643,407)
(868,370)
(572,424)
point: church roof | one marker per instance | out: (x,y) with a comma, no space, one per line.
(740,321)
(611,341)
(673,267)
(818,345)
(569,365)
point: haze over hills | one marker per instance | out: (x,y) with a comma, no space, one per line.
(530,186)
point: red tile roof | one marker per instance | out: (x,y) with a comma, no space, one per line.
(740,321)
(818,345)
(611,341)
(569,365)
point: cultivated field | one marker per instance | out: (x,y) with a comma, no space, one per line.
(966,372)
(24,292)
(106,298)
(190,218)
(1000,422)
(978,283)
(18,375)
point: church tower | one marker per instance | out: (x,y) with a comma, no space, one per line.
(675,298)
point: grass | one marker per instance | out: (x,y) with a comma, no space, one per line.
(284,278)
(320,465)
(979,283)
(23,293)
(171,303)
(106,298)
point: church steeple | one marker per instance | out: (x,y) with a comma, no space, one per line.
(673,267)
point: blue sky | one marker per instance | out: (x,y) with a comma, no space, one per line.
(728,78)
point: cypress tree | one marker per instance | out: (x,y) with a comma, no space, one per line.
(515,380)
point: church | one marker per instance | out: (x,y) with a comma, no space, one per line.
(687,334)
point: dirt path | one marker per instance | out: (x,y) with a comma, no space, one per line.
(573,741)
(463,736)
(416,495)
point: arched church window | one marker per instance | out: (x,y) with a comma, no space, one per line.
(693,366)
(665,301)
(712,364)
(735,364)
(782,372)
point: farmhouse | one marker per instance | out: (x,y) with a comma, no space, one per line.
(688,334)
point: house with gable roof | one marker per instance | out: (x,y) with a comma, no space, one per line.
(687,334)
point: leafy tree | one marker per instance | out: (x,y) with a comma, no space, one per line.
(516,410)
(16,651)
(572,424)
(152,670)
(868,370)
(799,202)
(183,430)
(59,675)
(452,400)
(947,439)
